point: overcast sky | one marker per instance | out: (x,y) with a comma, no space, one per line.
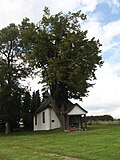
(103,22)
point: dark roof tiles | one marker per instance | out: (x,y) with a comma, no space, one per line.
(48,103)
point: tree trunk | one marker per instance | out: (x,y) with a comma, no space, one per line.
(7,128)
(59,113)
(59,95)
(62,118)
(62,123)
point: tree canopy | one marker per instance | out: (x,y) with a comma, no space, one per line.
(11,71)
(65,56)
(59,47)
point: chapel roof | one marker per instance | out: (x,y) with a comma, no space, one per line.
(47,102)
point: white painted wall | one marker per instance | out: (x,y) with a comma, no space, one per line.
(40,125)
(76,111)
(51,120)
(56,123)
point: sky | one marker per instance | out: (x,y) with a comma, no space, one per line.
(103,23)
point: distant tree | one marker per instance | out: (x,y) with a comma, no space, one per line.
(100,118)
(26,110)
(33,101)
(15,109)
(11,71)
(67,58)
(36,101)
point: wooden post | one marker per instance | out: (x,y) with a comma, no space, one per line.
(85,121)
(63,119)
(81,122)
(68,122)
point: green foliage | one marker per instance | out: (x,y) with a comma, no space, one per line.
(12,70)
(61,49)
(26,110)
(26,103)
(56,46)
(29,105)
(36,101)
(27,33)
(100,118)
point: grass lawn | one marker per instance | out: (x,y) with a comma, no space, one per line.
(97,143)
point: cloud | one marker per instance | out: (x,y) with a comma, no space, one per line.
(112,29)
(114,5)
(104,97)
(89,6)
(110,33)
(107,34)
(15,11)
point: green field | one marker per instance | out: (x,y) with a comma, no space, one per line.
(97,143)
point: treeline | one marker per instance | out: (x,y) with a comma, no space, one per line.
(99,118)
(22,109)
(57,51)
